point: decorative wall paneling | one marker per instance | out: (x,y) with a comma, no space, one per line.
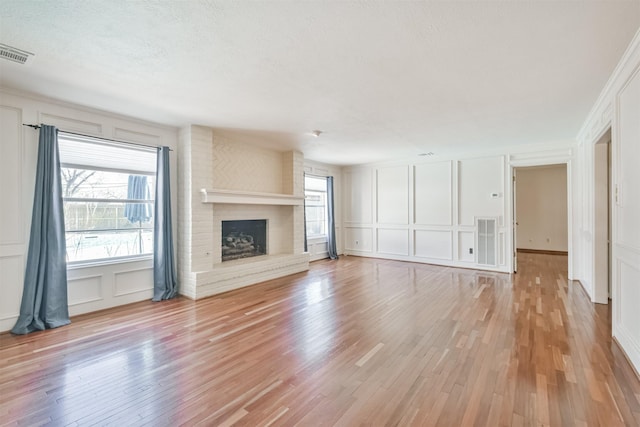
(425,212)
(92,286)
(618,109)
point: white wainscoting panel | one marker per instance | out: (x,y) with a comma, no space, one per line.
(628,220)
(71,124)
(358,196)
(393,241)
(433,194)
(479,179)
(85,289)
(466,240)
(629,278)
(393,195)
(435,244)
(11,223)
(359,239)
(11,273)
(132,281)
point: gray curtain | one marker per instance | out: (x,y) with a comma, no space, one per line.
(44,298)
(304,215)
(165,283)
(331,222)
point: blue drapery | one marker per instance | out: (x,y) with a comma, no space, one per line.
(44,298)
(304,217)
(165,283)
(331,222)
(138,189)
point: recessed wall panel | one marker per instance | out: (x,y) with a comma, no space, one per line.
(628,229)
(629,279)
(435,244)
(466,241)
(393,241)
(11,274)
(359,239)
(72,125)
(129,282)
(11,226)
(358,196)
(432,193)
(481,186)
(84,289)
(393,195)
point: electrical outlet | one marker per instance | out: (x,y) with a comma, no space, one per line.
(471,251)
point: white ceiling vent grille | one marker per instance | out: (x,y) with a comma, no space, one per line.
(14,54)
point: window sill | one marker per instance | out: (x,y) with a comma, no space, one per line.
(77,265)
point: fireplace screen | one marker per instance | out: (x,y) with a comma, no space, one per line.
(244,239)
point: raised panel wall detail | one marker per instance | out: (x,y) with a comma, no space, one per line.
(435,244)
(628,230)
(85,289)
(11,225)
(393,195)
(432,192)
(12,276)
(129,282)
(72,125)
(478,179)
(629,297)
(358,196)
(358,239)
(393,241)
(466,240)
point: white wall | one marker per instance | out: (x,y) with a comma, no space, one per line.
(317,247)
(426,211)
(617,108)
(541,208)
(92,287)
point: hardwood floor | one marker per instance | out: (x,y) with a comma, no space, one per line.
(354,342)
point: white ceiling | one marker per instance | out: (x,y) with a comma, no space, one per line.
(382,80)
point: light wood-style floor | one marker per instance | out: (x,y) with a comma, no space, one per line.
(353,342)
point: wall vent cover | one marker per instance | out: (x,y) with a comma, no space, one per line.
(14,54)
(486,229)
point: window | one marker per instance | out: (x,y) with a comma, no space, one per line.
(315,197)
(107,191)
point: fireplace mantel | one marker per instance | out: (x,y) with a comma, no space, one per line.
(249,198)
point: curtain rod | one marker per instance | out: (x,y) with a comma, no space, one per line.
(99,137)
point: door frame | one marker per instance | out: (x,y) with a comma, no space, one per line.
(565,157)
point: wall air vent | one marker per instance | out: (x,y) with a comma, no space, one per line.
(486,232)
(14,54)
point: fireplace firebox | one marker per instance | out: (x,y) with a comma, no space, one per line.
(244,238)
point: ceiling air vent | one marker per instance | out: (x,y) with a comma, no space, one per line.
(15,55)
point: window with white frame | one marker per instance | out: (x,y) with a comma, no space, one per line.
(108,194)
(315,197)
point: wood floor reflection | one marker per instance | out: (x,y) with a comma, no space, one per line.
(352,342)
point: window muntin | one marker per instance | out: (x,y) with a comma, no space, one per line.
(104,220)
(315,206)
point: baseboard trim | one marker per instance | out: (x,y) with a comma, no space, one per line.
(626,356)
(542,251)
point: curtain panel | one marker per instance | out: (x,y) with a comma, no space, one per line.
(44,298)
(165,283)
(331,222)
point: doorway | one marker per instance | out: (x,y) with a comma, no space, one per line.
(602,218)
(540,210)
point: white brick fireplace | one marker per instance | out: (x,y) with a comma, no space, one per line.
(223,178)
